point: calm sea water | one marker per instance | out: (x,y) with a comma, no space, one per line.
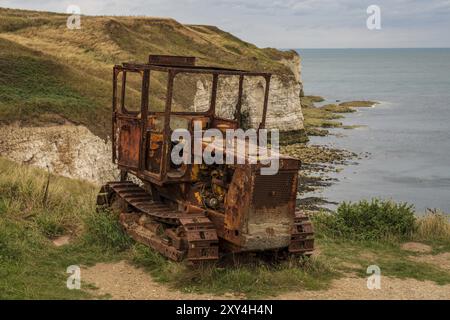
(407,135)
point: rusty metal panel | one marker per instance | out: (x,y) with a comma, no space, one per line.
(237,200)
(287,163)
(273,190)
(129,141)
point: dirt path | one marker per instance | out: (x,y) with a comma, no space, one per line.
(123,281)
(352,288)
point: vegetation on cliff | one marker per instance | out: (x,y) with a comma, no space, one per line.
(50,73)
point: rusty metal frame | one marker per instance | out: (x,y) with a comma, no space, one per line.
(266,102)
(239,103)
(212,104)
(120,112)
(144,112)
(166,135)
(216,72)
(113,114)
(194,230)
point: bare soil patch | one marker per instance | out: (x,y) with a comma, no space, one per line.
(416,247)
(441,260)
(122,281)
(354,288)
(61,241)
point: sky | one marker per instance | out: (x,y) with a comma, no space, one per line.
(288,23)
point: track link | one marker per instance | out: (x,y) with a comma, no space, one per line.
(302,237)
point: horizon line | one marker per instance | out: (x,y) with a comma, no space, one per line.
(361,48)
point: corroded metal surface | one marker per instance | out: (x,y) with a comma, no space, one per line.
(165,60)
(273,191)
(302,239)
(185,211)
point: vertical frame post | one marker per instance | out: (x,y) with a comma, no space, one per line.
(239,102)
(144,113)
(165,158)
(212,105)
(124,84)
(266,101)
(114,114)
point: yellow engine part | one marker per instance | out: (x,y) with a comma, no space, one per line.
(195,172)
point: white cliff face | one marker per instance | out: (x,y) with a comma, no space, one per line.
(295,66)
(284,109)
(68,150)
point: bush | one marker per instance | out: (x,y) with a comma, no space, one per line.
(434,225)
(364,220)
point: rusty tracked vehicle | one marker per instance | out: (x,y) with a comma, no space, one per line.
(195,211)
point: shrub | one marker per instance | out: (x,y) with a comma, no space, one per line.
(364,220)
(434,225)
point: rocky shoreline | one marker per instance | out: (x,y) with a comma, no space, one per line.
(319,161)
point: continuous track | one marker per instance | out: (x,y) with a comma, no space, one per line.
(175,234)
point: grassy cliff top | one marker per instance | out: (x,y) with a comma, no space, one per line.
(49,73)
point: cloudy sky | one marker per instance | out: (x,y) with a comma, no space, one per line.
(288,23)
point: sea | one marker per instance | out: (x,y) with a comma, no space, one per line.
(404,140)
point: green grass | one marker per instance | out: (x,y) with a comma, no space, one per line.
(31,267)
(34,88)
(348,256)
(30,84)
(372,232)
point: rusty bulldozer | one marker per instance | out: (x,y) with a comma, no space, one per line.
(195,212)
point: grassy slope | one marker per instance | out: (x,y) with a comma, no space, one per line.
(31,267)
(48,71)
